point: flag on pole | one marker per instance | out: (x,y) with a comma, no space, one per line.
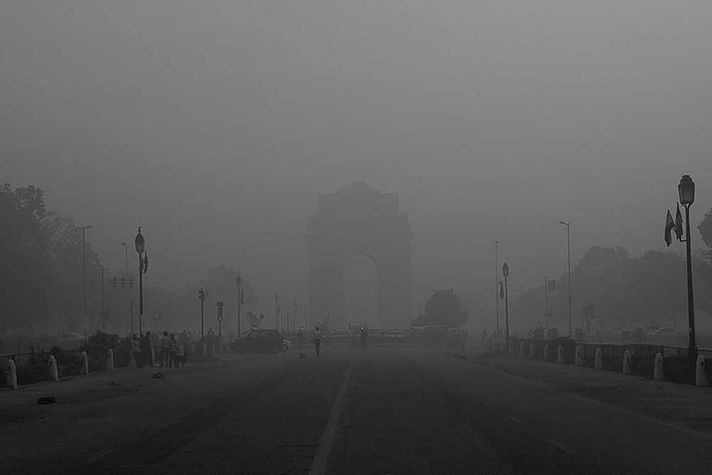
(669,226)
(678,224)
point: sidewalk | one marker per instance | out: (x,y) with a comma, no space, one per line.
(681,404)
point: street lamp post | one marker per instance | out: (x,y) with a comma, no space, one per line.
(240,301)
(505,274)
(686,190)
(496,280)
(84,268)
(140,244)
(220,306)
(568,254)
(202,295)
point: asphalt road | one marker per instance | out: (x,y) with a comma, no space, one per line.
(394,410)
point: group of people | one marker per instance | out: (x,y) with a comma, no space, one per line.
(171,352)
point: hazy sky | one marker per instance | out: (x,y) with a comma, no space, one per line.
(214,124)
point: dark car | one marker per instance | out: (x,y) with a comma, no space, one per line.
(259,340)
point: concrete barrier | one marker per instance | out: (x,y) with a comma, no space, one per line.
(532,349)
(110,361)
(53,371)
(598,362)
(658,373)
(546,352)
(701,372)
(627,365)
(11,376)
(578,360)
(560,354)
(84,369)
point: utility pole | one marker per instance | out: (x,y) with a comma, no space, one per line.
(568,257)
(84,267)
(546,304)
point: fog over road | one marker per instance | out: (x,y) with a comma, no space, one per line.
(389,410)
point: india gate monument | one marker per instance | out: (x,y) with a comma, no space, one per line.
(359,221)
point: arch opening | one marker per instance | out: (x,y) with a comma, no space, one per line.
(361,291)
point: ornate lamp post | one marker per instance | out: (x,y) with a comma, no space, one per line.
(202,295)
(220,306)
(140,244)
(686,190)
(568,258)
(240,301)
(505,274)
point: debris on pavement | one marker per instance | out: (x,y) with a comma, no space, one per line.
(158,375)
(46,400)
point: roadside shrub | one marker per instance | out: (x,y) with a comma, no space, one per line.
(97,348)
(36,369)
(677,369)
(69,362)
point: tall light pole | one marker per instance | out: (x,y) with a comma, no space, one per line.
(240,301)
(568,254)
(140,244)
(202,295)
(84,268)
(505,274)
(126,276)
(496,280)
(686,190)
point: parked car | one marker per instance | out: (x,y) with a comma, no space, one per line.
(258,340)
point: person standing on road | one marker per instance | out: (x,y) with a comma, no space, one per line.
(364,336)
(317,341)
(172,351)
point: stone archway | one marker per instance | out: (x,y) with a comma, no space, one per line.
(359,220)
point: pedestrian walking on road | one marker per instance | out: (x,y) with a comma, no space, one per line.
(136,351)
(300,339)
(317,341)
(363,336)
(165,349)
(172,350)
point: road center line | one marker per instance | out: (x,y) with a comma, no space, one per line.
(561,447)
(327,439)
(514,419)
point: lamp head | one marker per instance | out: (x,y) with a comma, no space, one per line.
(686,189)
(140,242)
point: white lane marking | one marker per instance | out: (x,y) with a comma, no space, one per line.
(515,420)
(327,439)
(562,447)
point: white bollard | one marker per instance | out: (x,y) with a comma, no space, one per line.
(598,362)
(153,357)
(531,350)
(205,349)
(11,375)
(546,352)
(658,373)
(626,362)
(85,363)
(53,371)
(560,354)
(523,348)
(701,373)
(578,361)
(110,361)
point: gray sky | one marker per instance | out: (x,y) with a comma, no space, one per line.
(214,124)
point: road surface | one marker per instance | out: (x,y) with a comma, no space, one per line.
(388,410)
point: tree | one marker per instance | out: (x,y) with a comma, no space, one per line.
(444,307)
